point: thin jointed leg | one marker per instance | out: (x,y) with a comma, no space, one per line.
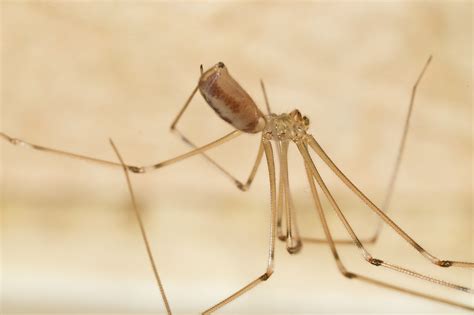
(142,230)
(135,169)
(238,183)
(265,97)
(271,253)
(285,205)
(401,149)
(367,256)
(394,174)
(352,275)
(443,263)
(282,236)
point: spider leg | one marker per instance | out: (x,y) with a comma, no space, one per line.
(142,230)
(351,275)
(285,205)
(365,253)
(271,253)
(435,260)
(135,169)
(394,174)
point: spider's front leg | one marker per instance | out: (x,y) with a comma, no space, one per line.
(135,169)
(271,252)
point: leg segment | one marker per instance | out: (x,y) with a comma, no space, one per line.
(367,256)
(443,263)
(351,275)
(401,148)
(271,253)
(393,177)
(142,230)
(285,205)
(135,169)
(267,103)
(238,183)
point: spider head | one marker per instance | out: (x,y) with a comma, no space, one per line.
(299,119)
(284,127)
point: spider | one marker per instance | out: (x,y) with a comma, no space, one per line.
(277,131)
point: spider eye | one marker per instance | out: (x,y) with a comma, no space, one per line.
(306,121)
(221,64)
(296,115)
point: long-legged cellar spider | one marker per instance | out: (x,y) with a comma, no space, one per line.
(277,132)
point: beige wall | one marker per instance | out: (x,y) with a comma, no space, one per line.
(74,74)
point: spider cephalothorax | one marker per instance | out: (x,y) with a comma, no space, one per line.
(286,127)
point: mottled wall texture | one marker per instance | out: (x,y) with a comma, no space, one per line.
(76,73)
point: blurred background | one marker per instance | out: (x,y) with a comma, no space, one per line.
(74,74)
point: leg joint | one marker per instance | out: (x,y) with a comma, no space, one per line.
(348,274)
(266,275)
(375,261)
(241,186)
(444,263)
(136,169)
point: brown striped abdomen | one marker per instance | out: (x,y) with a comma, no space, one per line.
(229,100)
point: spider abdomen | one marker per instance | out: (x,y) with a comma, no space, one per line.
(229,100)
